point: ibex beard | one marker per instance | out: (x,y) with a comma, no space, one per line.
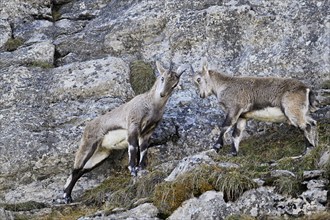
(262,98)
(130,125)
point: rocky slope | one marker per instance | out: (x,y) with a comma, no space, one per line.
(63,62)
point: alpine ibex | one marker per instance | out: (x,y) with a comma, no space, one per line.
(261,98)
(130,125)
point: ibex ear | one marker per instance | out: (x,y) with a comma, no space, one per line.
(160,68)
(205,69)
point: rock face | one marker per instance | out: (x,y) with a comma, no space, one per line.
(209,205)
(64,62)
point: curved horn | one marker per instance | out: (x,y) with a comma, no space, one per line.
(192,69)
(171,66)
(181,70)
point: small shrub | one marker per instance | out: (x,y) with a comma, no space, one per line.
(145,186)
(287,186)
(24,206)
(233,184)
(44,65)
(168,196)
(239,217)
(325,84)
(318,216)
(142,76)
(13,43)
(97,196)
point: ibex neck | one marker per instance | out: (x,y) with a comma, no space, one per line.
(218,81)
(156,100)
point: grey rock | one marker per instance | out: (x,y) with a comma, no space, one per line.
(5,30)
(145,211)
(312,174)
(210,205)
(101,77)
(39,54)
(16,10)
(324,159)
(279,173)
(189,163)
(312,184)
(259,202)
(87,46)
(263,201)
(4,214)
(34,31)
(315,195)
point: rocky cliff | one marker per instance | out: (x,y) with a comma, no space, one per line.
(63,62)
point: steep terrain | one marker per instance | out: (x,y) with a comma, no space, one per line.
(63,62)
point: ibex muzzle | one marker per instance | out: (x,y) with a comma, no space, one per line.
(261,98)
(130,125)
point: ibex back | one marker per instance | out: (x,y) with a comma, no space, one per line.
(130,125)
(261,98)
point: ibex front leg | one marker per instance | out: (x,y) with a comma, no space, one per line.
(133,147)
(144,144)
(230,121)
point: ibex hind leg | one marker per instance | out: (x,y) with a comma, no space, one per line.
(237,135)
(82,157)
(299,118)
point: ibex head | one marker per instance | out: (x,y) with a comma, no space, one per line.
(202,80)
(168,80)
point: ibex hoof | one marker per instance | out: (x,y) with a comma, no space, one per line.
(143,172)
(307,150)
(217,147)
(134,172)
(232,154)
(68,199)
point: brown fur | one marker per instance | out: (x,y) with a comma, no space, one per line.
(262,98)
(131,124)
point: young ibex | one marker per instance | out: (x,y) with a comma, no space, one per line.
(131,124)
(261,98)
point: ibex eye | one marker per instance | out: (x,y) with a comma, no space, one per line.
(162,79)
(198,80)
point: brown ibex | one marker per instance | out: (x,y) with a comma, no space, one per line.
(129,125)
(262,98)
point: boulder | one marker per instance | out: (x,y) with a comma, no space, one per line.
(37,55)
(146,211)
(5,30)
(189,163)
(210,205)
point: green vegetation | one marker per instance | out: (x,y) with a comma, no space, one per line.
(44,65)
(233,184)
(288,185)
(240,217)
(142,76)
(326,84)
(123,191)
(169,195)
(13,43)
(24,206)
(259,156)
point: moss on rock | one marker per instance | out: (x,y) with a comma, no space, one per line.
(13,43)
(142,76)
(24,206)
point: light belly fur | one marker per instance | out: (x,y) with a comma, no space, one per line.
(116,139)
(269,114)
